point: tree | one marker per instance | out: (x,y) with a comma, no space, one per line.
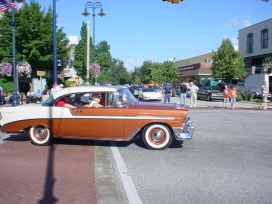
(80,63)
(103,55)
(227,63)
(34,37)
(158,72)
(118,73)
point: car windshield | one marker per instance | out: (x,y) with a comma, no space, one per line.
(149,90)
(121,97)
(136,87)
(212,89)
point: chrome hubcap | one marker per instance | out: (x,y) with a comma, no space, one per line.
(157,135)
(40,133)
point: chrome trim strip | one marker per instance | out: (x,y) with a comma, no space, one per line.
(90,138)
(125,117)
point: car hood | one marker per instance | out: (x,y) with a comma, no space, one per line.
(157,105)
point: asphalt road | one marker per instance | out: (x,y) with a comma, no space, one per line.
(228,161)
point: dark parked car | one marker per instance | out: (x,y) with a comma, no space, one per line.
(135,89)
(209,93)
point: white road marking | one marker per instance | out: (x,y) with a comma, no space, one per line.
(131,191)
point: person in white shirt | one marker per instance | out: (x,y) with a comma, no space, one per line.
(265,92)
(30,96)
(55,88)
(193,92)
(95,101)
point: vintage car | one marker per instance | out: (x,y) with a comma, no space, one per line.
(150,94)
(209,93)
(121,119)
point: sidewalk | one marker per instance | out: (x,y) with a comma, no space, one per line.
(61,173)
(218,104)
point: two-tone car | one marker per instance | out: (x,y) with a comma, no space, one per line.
(122,118)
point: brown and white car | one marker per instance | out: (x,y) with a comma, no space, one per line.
(121,119)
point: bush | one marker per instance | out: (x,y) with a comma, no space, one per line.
(7,85)
(245,94)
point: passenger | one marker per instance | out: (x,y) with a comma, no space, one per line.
(63,102)
(78,102)
(95,101)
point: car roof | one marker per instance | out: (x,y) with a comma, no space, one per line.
(85,89)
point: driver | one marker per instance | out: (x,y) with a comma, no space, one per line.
(63,102)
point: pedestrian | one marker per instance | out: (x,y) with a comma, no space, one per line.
(225,96)
(265,92)
(61,86)
(45,93)
(183,92)
(30,96)
(193,93)
(233,96)
(38,96)
(55,88)
(167,89)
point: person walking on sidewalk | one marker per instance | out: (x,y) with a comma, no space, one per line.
(225,96)
(233,96)
(193,92)
(167,89)
(183,92)
(265,92)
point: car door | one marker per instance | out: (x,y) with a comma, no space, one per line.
(105,122)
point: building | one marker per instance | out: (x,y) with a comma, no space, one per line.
(197,69)
(255,43)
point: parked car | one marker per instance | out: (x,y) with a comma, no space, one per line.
(135,89)
(150,94)
(121,119)
(209,93)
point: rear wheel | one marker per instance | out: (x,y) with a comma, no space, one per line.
(157,136)
(40,135)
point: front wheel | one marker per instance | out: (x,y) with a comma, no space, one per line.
(40,135)
(157,136)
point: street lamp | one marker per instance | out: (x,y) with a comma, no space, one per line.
(101,13)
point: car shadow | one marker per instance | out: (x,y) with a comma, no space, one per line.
(22,137)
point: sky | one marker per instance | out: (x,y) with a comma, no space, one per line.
(156,30)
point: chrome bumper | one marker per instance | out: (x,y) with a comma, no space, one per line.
(185,132)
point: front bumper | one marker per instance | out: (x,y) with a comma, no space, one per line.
(185,132)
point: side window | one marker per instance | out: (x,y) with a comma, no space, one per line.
(250,43)
(264,38)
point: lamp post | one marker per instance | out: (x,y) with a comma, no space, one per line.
(93,6)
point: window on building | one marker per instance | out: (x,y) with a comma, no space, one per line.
(264,40)
(250,43)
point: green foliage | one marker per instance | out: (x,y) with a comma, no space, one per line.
(160,72)
(118,73)
(68,83)
(103,55)
(245,94)
(258,100)
(227,63)
(80,63)
(34,37)
(135,76)
(7,85)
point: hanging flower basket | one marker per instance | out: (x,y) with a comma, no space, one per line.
(5,69)
(24,69)
(94,69)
